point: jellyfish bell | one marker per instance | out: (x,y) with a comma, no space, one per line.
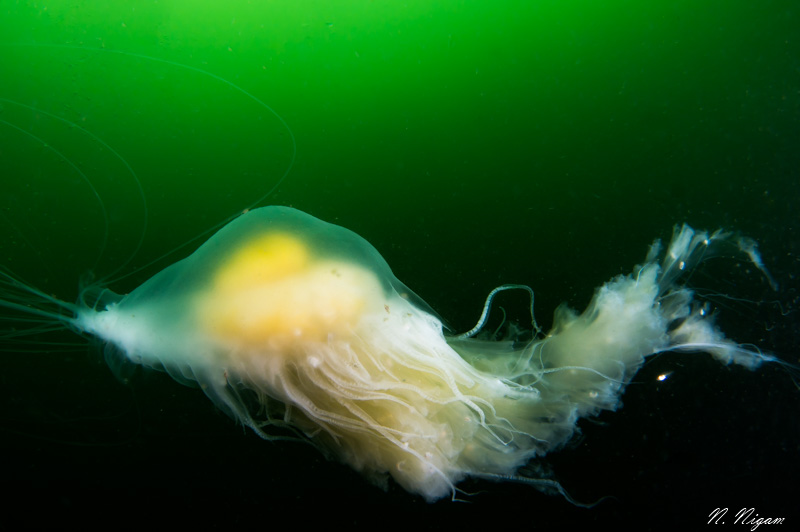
(308,317)
(288,322)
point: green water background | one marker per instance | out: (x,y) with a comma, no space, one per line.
(473,143)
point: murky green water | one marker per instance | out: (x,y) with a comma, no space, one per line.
(473,144)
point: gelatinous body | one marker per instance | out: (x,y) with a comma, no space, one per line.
(286,321)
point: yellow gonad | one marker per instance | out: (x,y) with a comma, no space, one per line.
(274,293)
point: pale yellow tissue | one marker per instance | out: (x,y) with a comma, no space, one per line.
(273,294)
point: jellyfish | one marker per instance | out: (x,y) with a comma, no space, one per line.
(294,326)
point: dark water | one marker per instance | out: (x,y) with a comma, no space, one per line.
(545,143)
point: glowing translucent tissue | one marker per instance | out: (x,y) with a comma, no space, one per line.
(285,320)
